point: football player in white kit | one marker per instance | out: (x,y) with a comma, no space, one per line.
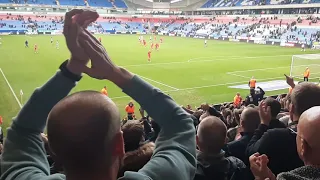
(205,43)
(57,44)
(303,47)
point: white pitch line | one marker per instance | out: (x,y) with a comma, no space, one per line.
(197,61)
(158,82)
(250,70)
(207,86)
(238,75)
(15,96)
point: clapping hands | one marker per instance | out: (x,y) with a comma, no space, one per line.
(83,47)
(265,113)
(259,167)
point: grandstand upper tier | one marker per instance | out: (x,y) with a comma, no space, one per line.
(233,3)
(93,3)
(272,28)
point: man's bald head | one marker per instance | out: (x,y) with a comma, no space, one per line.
(82,129)
(211,134)
(250,119)
(308,135)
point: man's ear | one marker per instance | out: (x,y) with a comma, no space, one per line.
(291,111)
(303,147)
(198,142)
(119,145)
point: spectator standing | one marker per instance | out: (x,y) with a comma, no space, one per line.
(280,144)
(210,111)
(254,97)
(237,100)
(308,148)
(249,122)
(275,108)
(84,128)
(212,163)
(138,153)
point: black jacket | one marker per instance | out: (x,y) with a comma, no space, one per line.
(255,98)
(218,167)
(279,145)
(238,148)
(275,123)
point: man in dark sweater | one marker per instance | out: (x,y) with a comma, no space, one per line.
(84,128)
(308,147)
(212,163)
(249,122)
(275,108)
(255,96)
(280,144)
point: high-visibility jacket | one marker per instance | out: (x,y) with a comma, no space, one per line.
(237,100)
(306,73)
(252,83)
(104,91)
(129,109)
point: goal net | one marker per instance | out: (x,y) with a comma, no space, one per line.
(299,64)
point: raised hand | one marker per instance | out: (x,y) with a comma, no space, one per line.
(289,80)
(75,21)
(102,66)
(265,113)
(259,167)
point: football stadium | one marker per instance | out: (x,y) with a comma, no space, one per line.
(234,68)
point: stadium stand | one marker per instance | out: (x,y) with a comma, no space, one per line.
(290,29)
(172,132)
(223,141)
(231,3)
(93,3)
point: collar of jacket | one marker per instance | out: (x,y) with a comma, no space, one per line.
(246,133)
(209,157)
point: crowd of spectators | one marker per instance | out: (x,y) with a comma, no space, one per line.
(250,138)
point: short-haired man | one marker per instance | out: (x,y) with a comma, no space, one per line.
(308,148)
(212,163)
(84,128)
(280,144)
(275,108)
(249,122)
(254,97)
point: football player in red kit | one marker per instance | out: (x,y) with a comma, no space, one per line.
(152,45)
(149,56)
(144,42)
(161,40)
(157,46)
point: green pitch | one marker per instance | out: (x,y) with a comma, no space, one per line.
(183,67)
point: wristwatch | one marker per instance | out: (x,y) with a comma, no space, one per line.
(65,71)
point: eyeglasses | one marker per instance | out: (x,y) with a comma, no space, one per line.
(296,133)
(293,131)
